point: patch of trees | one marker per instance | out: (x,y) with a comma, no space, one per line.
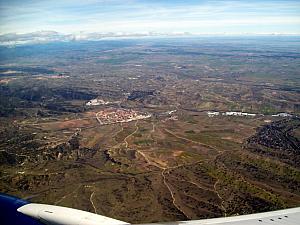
(276,140)
(139,95)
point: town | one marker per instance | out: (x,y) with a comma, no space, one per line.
(111,116)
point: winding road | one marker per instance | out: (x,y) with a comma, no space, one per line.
(91,200)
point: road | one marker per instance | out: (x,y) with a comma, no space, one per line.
(136,129)
(189,140)
(165,169)
(91,200)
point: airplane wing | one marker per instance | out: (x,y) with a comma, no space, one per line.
(285,217)
(15,211)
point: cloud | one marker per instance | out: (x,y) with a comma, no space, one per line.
(42,37)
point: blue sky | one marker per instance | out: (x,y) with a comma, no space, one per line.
(139,16)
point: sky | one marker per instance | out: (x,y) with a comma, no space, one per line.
(142,16)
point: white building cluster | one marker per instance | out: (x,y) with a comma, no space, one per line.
(212,114)
(96,101)
(282,115)
(238,114)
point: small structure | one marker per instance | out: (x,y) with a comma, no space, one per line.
(96,101)
(282,115)
(212,114)
(238,114)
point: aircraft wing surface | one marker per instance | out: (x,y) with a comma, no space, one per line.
(14,211)
(285,217)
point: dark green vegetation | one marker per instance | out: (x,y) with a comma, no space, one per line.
(179,164)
